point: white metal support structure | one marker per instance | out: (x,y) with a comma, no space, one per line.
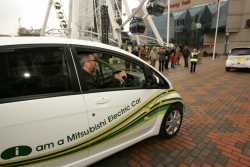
(97,16)
(74,22)
(114,25)
(70,18)
(60,15)
(42,33)
(216,29)
(125,3)
(152,25)
(119,11)
(154,29)
(81,18)
(129,13)
(168,23)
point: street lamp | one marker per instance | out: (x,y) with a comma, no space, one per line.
(216,28)
(198,27)
(226,42)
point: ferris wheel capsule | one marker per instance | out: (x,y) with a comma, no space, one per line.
(119,21)
(58,5)
(137,25)
(154,7)
(63,24)
(60,15)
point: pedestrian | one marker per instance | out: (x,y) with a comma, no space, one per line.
(127,65)
(153,56)
(194,60)
(162,58)
(172,58)
(142,53)
(147,52)
(178,55)
(186,54)
(167,55)
(135,51)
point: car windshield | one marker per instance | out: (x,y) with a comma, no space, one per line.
(240,51)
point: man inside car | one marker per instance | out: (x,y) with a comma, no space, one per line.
(88,64)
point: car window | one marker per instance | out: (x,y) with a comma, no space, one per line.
(155,81)
(33,71)
(135,74)
(107,68)
(240,51)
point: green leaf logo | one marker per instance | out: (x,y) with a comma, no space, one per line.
(16,152)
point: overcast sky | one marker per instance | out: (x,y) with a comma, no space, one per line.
(31,14)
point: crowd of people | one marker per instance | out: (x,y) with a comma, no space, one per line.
(166,56)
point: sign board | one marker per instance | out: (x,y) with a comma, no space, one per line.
(176,5)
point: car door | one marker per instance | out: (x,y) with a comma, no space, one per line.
(116,111)
(42,112)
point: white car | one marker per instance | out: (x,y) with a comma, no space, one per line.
(238,58)
(50,117)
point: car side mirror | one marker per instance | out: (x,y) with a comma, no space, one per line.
(153,81)
(156,79)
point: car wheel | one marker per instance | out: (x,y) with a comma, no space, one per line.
(227,69)
(171,122)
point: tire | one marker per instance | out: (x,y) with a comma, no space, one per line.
(227,69)
(172,121)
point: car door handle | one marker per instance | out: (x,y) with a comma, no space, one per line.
(102,100)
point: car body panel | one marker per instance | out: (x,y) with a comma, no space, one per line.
(147,112)
(235,60)
(46,133)
(80,129)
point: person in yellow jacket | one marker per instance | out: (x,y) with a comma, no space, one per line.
(194,60)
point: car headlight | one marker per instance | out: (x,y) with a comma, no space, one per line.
(229,62)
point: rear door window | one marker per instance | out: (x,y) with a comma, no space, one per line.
(240,51)
(33,71)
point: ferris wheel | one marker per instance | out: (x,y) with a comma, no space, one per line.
(102,19)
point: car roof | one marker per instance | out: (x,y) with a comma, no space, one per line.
(241,48)
(5,41)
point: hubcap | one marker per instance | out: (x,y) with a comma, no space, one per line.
(173,122)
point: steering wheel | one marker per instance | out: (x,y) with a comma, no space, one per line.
(128,81)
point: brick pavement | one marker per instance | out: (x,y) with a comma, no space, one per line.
(216,125)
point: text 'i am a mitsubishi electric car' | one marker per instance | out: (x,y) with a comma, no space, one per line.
(71,103)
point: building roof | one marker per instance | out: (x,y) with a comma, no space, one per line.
(179,15)
(212,8)
(197,10)
(223,15)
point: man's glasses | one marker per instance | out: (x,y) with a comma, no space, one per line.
(92,60)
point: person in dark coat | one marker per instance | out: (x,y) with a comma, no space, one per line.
(162,58)
(186,54)
(167,55)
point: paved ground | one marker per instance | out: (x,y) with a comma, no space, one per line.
(216,125)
